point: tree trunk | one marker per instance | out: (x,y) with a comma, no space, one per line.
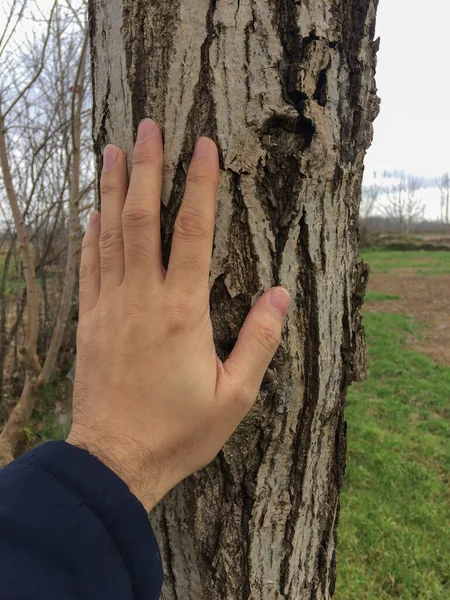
(287,91)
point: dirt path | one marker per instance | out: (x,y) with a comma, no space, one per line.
(427,298)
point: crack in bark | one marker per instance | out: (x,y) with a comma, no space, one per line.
(242,254)
(101,140)
(321,93)
(153,36)
(353,344)
(202,117)
(201,121)
(355,12)
(286,19)
(227,314)
(169,212)
(302,441)
(280,188)
(169,575)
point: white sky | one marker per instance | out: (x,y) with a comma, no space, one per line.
(412,132)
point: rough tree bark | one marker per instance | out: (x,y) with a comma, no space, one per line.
(286,89)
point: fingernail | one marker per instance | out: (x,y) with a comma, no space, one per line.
(93,219)
(145,130)
(201,147)
(280,301)
(110,157)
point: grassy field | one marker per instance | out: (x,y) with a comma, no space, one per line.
(377,296)
(421,261)
(394,534)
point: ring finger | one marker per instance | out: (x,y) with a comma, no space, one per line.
(113,188)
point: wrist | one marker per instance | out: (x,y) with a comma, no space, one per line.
(128,461)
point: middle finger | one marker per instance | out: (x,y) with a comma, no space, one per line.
(142,211)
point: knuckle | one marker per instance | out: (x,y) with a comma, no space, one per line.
(132,312)
(241,393)
(191,224)
(108,187)
(269,337)
(145,157)
(110,239)
(176,315)
(87,272)
(137,216)
(194,263)
(199,174)
(138,249)
(132,309)
(88,242)
(107,263)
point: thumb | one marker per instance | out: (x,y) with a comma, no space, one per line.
(257,343)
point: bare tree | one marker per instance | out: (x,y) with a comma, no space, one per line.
(41,172)
(370,198)
(287,91)
(403,203)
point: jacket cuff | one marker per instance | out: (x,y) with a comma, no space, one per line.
(110,499)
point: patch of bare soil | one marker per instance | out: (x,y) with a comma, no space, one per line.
(427,298)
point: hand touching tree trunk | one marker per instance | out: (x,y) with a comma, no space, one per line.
(286,89)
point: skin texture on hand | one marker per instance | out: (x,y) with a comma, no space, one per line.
(152,400)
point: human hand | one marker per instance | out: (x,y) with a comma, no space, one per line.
(152,400)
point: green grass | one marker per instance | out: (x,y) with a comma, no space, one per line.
(379,296)
(422,261)
(394,534)
(14,280)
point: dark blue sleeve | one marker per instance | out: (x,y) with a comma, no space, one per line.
(70,529)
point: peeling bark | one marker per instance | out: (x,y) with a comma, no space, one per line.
(287,91)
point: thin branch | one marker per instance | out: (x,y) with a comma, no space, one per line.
(39,71)
(75,14)
(4,43)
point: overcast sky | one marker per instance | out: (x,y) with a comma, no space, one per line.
(413,129)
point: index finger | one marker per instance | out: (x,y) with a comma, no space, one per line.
(190,258)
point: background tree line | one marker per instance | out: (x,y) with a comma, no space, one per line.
(46,192)
(399,198)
